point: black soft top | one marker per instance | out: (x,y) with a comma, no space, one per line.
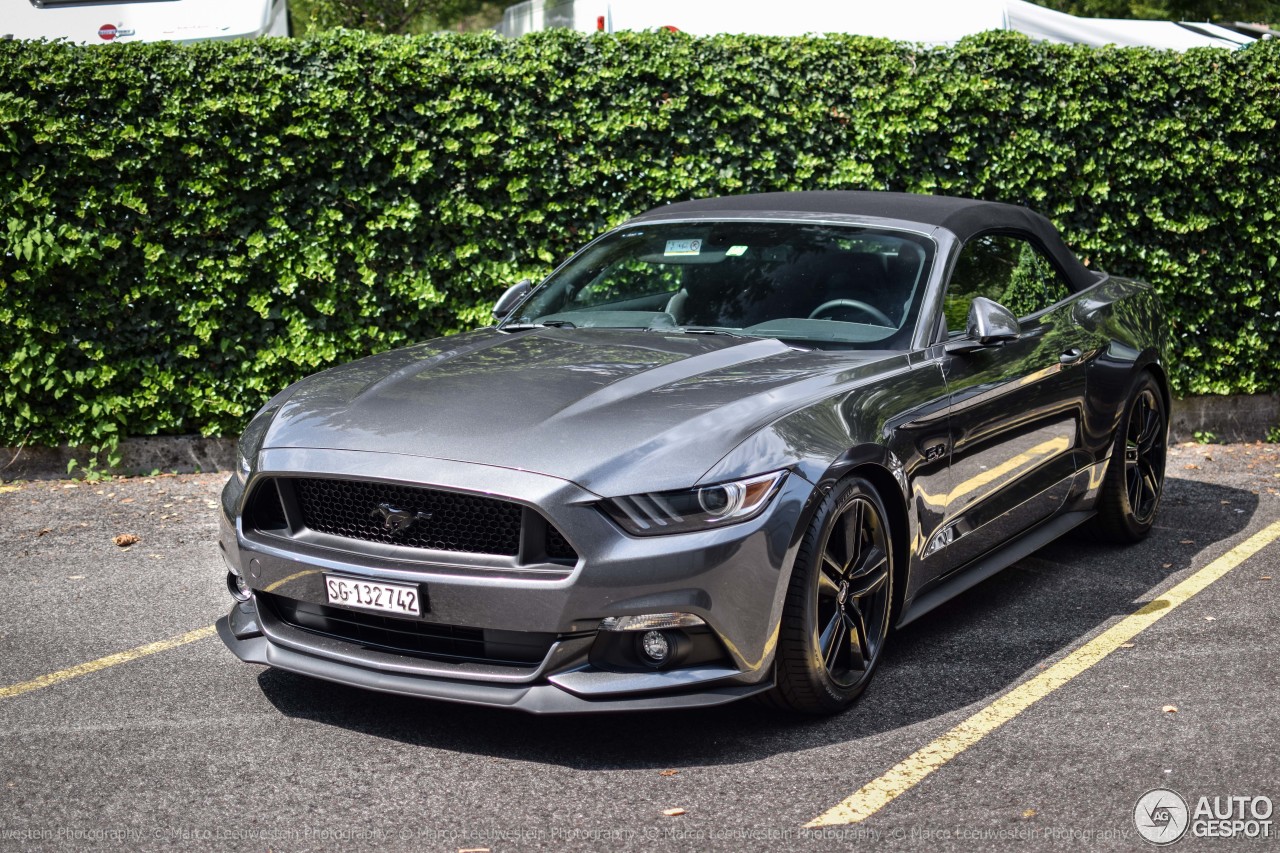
(964,217)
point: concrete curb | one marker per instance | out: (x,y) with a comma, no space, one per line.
(1242,417)
(1226,419)
(182,453)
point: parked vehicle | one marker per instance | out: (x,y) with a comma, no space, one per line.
(933,22)
(718,453)
(145,20)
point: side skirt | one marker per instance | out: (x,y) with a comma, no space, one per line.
(993,562)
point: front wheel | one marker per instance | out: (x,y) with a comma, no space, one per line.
(836,616)
(1135,475)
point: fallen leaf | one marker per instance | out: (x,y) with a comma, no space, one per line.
(1170,709)
(6,489)
(126,500)
(1029,813)
(43,531)
(1166,565)
(1187,541)
(75,577)
(1127,645)
(1210,618)
(1265,578)
(668,772)
(124,540)
(673,812)
(1194,468)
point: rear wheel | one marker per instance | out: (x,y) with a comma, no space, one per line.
(836,616)
(1135,475)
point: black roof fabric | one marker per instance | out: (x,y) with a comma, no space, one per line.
(963,217)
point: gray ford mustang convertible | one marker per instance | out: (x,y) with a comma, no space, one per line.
(719,453)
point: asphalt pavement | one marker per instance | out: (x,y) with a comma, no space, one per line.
(110,741)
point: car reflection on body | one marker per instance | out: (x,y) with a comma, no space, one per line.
(719,453)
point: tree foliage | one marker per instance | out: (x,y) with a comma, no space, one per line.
(1256,11)
(393,16)
(184,230)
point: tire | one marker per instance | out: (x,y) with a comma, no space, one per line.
(1134,481)
(836,615)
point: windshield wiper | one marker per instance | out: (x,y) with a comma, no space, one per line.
(550,324)
(795,343)
(703,330)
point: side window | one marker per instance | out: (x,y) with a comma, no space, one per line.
(1006,269)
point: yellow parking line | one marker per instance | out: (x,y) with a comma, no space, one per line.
(102,663)
(125,656)
(913,769)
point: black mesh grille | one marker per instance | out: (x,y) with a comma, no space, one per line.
(443,521)
(558,548)
(407,636)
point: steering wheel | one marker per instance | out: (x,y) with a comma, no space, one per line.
(876,314)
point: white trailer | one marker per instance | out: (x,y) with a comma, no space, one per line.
(932,22)
(91,22)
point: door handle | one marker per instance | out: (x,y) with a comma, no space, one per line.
(1070,356)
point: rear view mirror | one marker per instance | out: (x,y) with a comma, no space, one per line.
(515,293)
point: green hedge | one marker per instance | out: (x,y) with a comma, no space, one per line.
(185,230)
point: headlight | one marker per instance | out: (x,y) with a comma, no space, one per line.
(243,466)
(703,508)
(251,440)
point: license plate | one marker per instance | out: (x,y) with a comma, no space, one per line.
(373,595)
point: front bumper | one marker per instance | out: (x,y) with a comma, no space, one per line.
(733,578)
(540,698)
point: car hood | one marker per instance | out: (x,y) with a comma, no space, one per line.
(610,410)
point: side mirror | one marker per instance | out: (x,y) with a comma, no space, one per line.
(515,293)
(990,324)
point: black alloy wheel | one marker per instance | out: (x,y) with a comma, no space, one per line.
(1144,452)
(1135,476)
(836,617)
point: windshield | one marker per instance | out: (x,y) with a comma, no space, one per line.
(850,285)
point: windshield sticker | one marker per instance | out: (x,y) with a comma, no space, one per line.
(735,251)
(683,247)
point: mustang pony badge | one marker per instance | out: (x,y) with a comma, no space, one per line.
(397,520)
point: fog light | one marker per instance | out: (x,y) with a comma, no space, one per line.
(239,590)
(655,646)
